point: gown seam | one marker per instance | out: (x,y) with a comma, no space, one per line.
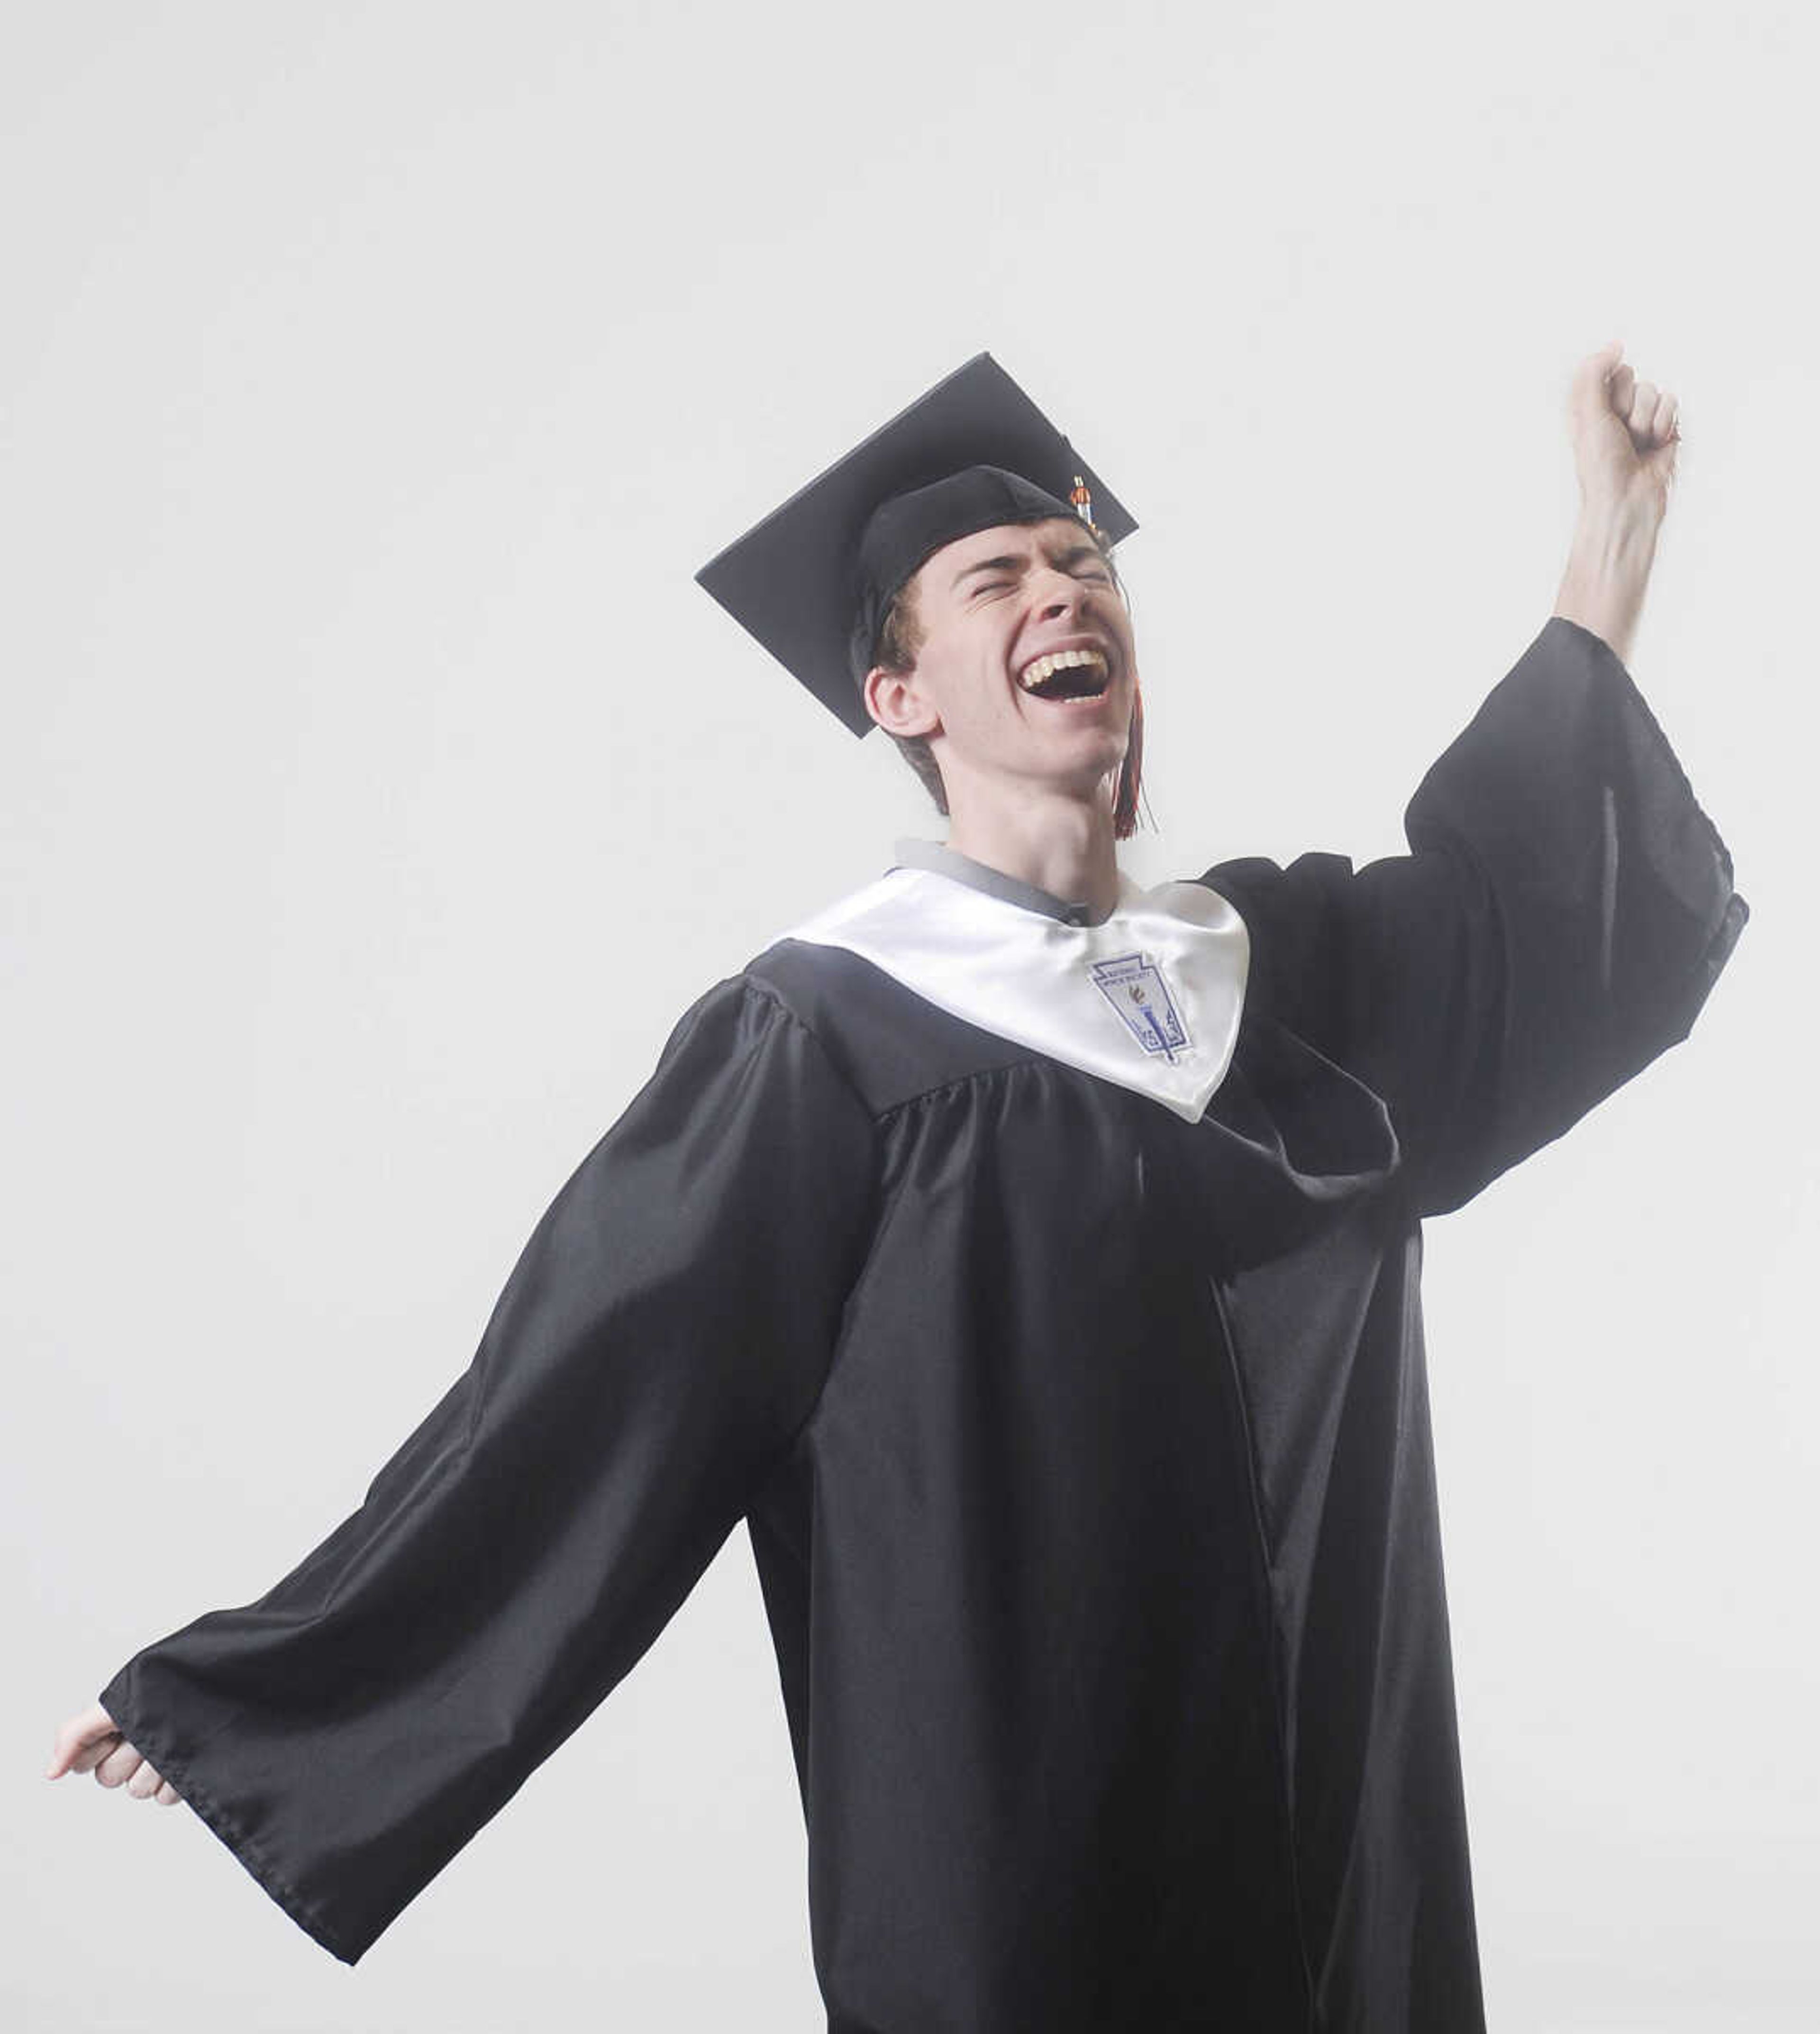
(966,1079)
(881,1117)
(767,993)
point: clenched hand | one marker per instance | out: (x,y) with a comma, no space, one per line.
(1625,433)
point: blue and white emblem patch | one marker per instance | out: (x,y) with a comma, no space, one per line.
(1136,988)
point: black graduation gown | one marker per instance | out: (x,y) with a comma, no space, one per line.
(1085,1451)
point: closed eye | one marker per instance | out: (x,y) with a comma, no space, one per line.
(1095,574)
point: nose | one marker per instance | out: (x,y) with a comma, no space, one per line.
(1064,595)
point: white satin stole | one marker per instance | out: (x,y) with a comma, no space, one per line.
(1150,1000)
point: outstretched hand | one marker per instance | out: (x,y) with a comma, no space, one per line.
(1625,433)
(90,1744)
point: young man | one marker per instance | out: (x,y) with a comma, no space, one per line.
(1032,1261)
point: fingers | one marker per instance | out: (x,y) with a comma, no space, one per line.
(145,1782)
(90,1742)
(82,1742)
(1652,416)
(90,1755)
(1649,410)
(142,1780)
(125,1766)
(1590,389)
(119,1766)
(1607,382)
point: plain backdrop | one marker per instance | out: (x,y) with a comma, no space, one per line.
(378,789)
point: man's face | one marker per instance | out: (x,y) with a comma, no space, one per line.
(994,609)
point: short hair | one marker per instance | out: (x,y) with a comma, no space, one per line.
(899,639)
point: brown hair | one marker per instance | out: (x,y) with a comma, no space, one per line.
(900,638)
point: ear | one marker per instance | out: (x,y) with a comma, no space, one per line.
(894,701)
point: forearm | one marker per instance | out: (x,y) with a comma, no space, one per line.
(1607,571)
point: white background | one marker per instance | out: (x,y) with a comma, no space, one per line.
(377,789)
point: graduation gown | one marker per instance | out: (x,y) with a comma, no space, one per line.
(1084,1448)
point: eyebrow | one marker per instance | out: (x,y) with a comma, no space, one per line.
(1072,556)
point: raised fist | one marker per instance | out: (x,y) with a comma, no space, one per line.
(1625,432)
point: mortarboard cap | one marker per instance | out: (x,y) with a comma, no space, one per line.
(814,581)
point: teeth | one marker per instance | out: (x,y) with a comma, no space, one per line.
(1034,674)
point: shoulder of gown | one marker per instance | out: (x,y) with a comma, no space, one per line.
(890,1044)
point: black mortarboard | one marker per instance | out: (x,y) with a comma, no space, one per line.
(814,581)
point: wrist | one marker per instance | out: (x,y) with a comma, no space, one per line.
(1608,571)
(1616,534)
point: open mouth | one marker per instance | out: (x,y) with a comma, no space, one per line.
(1066,674)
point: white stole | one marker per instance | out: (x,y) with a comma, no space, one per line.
(1150,999)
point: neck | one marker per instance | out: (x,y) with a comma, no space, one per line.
(1057,843)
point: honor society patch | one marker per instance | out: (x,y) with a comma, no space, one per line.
(1136,988)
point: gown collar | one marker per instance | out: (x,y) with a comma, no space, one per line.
(946,861)
(1149,999)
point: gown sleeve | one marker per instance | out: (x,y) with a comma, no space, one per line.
(1564,911)
(665,1333)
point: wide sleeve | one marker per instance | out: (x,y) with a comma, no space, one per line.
(1564,910)
(664,1333)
